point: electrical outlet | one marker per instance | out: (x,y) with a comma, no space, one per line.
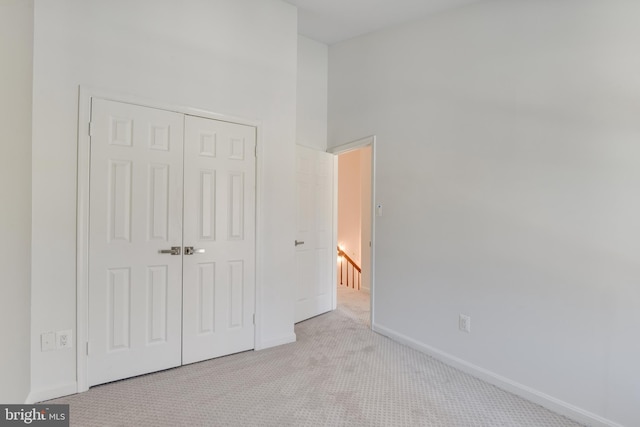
(464,323)
(48,341)
(63,339)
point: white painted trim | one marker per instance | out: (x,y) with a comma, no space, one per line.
(51,393)
(111,95)
(259,261)
(342,149)
(334,240)
(353,145)
(86,94)
(372,273)
(288,339)
(82,239)
(528,393)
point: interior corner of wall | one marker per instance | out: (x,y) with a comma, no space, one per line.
(61,390)
(287,339)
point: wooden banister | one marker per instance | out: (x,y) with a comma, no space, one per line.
(354,267)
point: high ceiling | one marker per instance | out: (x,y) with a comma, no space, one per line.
(332,21)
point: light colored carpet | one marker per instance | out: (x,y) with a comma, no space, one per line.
(338,373)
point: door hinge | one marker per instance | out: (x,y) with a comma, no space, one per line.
(90,128)
(87,348)
(254,318)
(255,150)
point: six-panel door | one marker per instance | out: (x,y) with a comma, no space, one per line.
(315,253)
(151,177)
(135,212)
(219,223)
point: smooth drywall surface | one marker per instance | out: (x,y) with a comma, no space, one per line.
(507,147)
(312,94)
(349,201)
(16,56)
(233,57)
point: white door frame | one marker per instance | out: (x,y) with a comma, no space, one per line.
(368,141)
(82,212)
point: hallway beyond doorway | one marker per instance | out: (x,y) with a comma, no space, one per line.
(355,215)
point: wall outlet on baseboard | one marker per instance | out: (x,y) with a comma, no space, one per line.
(464,323)
(64,339)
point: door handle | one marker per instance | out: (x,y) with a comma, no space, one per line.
(299,242)
(175,250)
(189,250)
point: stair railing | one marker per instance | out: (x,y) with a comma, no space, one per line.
(345,266)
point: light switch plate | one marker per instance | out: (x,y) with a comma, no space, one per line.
(48,341)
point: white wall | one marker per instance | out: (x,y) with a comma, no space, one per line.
(16,57)
(312,94)
(227,56)
(507,164)
(349,203)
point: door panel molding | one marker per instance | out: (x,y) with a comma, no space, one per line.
(158,141)
(315,262)
(227,304)
(123,208)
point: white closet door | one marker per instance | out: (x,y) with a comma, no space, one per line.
(219,223)
(135,292)
(315,254)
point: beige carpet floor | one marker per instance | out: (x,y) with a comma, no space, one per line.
(338,373)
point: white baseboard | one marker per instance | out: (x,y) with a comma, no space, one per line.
(36,396)
(51,393)
(274,343)
(535,396)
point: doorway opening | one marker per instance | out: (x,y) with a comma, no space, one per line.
(355,220)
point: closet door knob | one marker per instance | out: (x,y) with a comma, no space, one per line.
(175,250)
(189,250)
